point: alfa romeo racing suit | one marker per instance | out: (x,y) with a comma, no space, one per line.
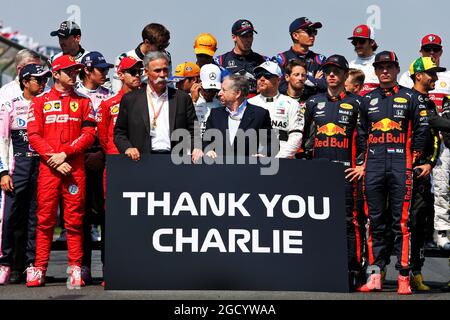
(21,163)
(242,65)
(365,65)
(392,132)
(286,118)
(60,122)
(313,62)
(334,120)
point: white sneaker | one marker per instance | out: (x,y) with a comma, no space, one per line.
(35,277)
(5,273)
(442,240)
(74,281)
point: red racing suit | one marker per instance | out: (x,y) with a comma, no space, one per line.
(60,122)
(106,118)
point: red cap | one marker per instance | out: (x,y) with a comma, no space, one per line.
(127,63)
(64,62)
(362,31)
(432,39)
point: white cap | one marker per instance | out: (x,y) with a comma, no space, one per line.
(271,67)
(210,75)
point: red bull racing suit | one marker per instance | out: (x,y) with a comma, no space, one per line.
(392,132)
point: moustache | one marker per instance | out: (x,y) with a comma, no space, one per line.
(162,79)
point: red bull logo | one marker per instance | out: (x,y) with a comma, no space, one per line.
(330,129)
(386,125)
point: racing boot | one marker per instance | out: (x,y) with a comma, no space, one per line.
(86,275)
(35,276)
(404,287)
(374,282)
(5,274)
(74,281)
(417,282)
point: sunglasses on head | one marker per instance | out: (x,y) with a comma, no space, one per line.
(429,48)
(265,74)
(134,72)
(357,41)
(310,31)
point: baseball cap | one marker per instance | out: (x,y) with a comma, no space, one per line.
(127,63)
(186,70)
(362,31)
(242,27)
(205,43)
(424,64)
(386,56)
(303,23)
(64,62)
(271,67)
(67,28)
(210,75)
(336,60)
(33,70)
(95,59)
(432,39)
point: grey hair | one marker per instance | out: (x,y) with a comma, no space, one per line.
(155,55)
(24,55)
(240,83)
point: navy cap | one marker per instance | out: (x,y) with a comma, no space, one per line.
(303,23)
(67,28)
(241,27)
(386,56)
(33,70)
(336,60)
(95,59)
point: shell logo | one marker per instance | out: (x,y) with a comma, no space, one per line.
(346,106)
(443,84)
(115,110)
(400,100)
(423,113)
(47,107)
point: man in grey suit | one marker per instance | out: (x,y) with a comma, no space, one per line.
(148,116)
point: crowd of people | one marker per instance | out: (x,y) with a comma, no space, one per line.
(390,136)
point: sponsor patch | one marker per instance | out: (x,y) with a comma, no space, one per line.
(400,100)
(74,106)
(346,106)
(73,189)
(374,102)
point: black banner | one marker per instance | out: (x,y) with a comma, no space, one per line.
(225,227)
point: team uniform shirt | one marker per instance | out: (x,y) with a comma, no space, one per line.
(13,133)
(286,118)
(365,65)
(441,90)
(106,118)
(241,65)
(139,56)
(313,62)
(81,53)
(97,95)
(334,120)
(203,109)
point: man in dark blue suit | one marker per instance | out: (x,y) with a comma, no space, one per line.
(245,129)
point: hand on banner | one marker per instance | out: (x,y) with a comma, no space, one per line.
(133,154)
(56,159)
(64,169)
(354,173)
(196,155)
(424,170)
(212,154)
(7,183)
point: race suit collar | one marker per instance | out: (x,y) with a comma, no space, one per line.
(80,53)
(387,92)
(339,97)
(139,52)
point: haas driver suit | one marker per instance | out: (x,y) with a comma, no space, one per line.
(60,122)
(393,129)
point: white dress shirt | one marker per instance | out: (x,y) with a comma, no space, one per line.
(160,134)
(234,120)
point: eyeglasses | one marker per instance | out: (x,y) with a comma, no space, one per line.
(359,41)
(310,31)
(429,48)
(134,72)
(267,75)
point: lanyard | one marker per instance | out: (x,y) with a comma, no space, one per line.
(155,113)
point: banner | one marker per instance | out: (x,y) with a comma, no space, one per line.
(225,227)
